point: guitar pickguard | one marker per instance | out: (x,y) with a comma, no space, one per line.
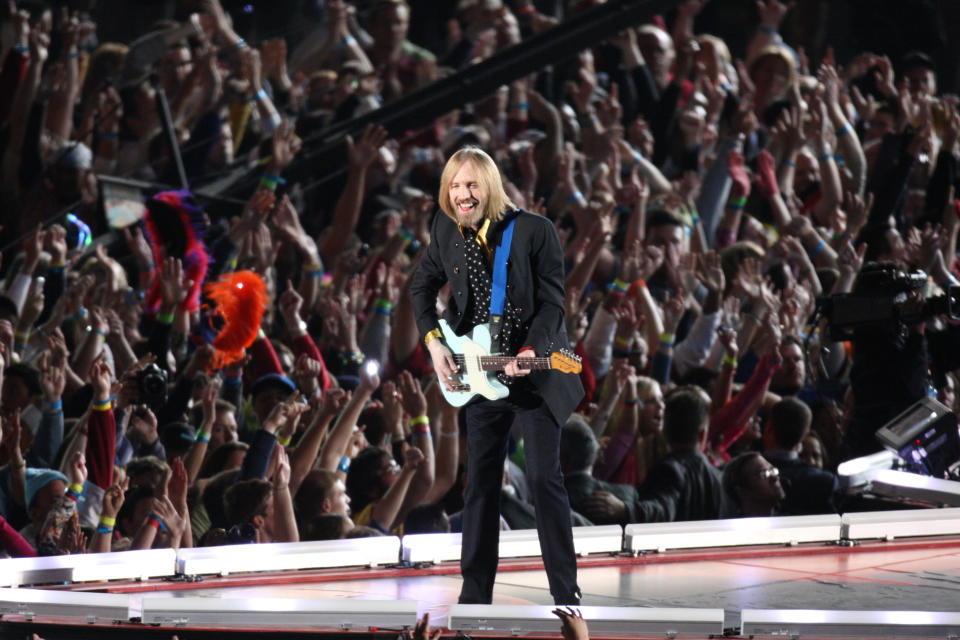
(472,346)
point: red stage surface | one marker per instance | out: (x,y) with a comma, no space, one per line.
(921,574)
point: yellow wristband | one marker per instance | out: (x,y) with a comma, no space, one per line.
(418,420)
(102,406)
(107,521)
(432,335)
(76,488)
(284,441)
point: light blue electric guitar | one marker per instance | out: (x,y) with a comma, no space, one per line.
(478,367)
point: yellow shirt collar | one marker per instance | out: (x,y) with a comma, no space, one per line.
(481,236)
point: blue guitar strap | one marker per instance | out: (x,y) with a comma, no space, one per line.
(498,288)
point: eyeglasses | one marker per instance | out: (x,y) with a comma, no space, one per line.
(769,472)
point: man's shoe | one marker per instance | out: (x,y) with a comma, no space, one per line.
(573,600)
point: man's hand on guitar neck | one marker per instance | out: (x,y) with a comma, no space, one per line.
(514,370)
(443,362)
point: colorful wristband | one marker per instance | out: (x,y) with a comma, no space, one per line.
(165,318)
(284,442)
(106,405)
(97,330)
(107,521)
(418,420)
(104,530)
(156,522)
(344,464)
(729,360)
(202,436)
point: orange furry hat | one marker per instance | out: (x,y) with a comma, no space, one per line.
(238,299)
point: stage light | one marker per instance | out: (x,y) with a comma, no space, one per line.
(887,525)
(85,567)
(90,607)
(282,556)
(659,536)
(903,485)
(860,471)
(445,547)
(341,613)
(633,621)
(811,622)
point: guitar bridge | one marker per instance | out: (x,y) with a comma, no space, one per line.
(461,386)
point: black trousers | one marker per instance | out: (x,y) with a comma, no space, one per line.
(488,425)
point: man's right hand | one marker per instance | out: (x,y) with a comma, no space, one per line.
(443,363)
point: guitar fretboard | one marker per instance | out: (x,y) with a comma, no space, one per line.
(498,363)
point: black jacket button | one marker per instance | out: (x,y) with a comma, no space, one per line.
(456,269)
(459,293)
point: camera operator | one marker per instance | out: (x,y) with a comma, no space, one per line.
(891,359)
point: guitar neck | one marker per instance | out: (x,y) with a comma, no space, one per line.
(498,363)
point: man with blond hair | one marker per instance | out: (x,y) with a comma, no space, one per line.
(475,214)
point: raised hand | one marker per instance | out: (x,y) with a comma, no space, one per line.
(412,458)
(281,475)
(728,340)
(285,413)
(291,303)
(100,378)
(71,539)
(307,372)
(143,426)
(333,401)
(32,246)
(77,468)
(767,175)
(710,272)
(573,626)
(208,401)
(673,311)
(201,361)
(361,154)
(173,288)
(772,12)
(53,378)
(177,485)
(112,501)
(422,630)
(285,146)
(411,397)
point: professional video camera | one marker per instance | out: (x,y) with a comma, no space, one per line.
(886,297)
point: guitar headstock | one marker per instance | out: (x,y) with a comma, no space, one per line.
(565,361)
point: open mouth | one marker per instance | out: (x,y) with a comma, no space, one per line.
(467,206)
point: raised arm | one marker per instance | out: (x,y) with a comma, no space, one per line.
(360,156)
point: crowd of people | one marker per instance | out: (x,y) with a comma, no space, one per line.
(704,206)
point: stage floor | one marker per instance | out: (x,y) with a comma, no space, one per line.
(917,574)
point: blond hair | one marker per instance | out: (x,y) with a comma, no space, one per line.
(488,174)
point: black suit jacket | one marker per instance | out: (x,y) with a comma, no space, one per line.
(683,486)
(580,485)
(808,490)
(534,288)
